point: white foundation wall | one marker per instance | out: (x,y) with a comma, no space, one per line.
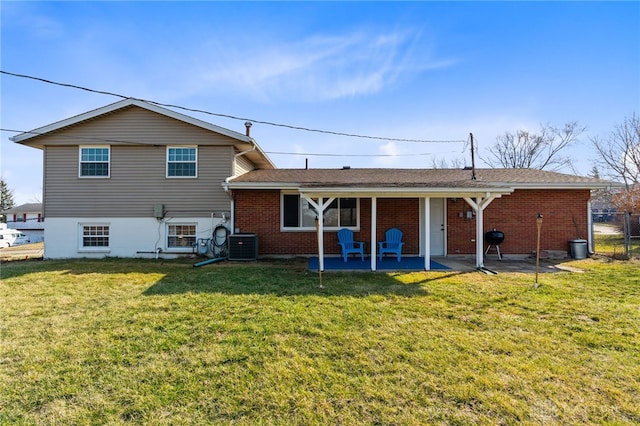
(128,237)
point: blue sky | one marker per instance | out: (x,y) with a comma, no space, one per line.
(414,70)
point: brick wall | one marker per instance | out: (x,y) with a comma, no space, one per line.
(259,212)
(564,218)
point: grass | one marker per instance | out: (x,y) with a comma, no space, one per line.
(160,342)
(612,245)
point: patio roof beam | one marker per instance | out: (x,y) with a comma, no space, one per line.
(478,205)
(320,207)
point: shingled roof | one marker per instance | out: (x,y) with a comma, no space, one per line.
(415,178)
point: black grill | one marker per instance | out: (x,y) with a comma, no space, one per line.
(494,238)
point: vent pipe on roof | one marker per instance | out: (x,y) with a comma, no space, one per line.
(248,125)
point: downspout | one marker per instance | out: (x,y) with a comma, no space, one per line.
(225,184)
(232,205)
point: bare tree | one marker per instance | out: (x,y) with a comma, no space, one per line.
(619,152)
(524,149)
(442,163)
(619,158)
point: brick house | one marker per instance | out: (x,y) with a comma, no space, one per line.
(132,179)
(26,218)
(440,211)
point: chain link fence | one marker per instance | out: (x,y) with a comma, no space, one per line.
(627,225)
(631,231)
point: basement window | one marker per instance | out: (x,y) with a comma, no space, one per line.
(94,236)
(180,236)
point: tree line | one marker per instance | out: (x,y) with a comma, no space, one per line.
(618,154)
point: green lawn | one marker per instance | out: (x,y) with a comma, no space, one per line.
(613,246)
(161,342)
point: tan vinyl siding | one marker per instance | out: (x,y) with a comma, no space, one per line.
(131,126)
(137,182)
(137,171)
(243,165)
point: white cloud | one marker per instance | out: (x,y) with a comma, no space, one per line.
(390,148)
(317,68)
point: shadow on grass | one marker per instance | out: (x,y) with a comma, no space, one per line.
(275,277)
(280,278)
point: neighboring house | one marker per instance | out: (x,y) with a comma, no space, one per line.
(132,179)
(28,219)
(603,209)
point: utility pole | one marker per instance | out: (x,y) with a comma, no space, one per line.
(473,158)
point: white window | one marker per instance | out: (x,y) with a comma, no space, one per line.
(94,236)
(94,161)
(299,214)
(181,235)
(182,161)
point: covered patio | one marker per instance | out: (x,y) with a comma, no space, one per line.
(407,264)
(444,214)
(466,263)
(477,199)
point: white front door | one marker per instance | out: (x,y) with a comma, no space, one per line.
(437,224)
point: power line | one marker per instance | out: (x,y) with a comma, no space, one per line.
(268,123)
(347,155)
(127,142)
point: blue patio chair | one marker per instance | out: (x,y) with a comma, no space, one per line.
(393,243)
(345,239)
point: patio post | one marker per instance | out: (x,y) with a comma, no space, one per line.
(320,236)
(427,233)
(320,208)
(478,207)
(479,234)
(374,215)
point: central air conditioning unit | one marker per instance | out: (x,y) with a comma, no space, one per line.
(243,247)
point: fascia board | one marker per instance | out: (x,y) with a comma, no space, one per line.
(373,192)
(405,192)
(75,119)
(262,185)
(565,185)
(122,104)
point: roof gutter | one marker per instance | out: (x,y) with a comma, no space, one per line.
(563,185)
(367,191)
(240,154)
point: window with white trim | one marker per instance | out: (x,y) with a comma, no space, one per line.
(181,235)
(95,236)
(94,161)
(182,161)
(299,214)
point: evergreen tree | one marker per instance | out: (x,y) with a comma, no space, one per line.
(6,198)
